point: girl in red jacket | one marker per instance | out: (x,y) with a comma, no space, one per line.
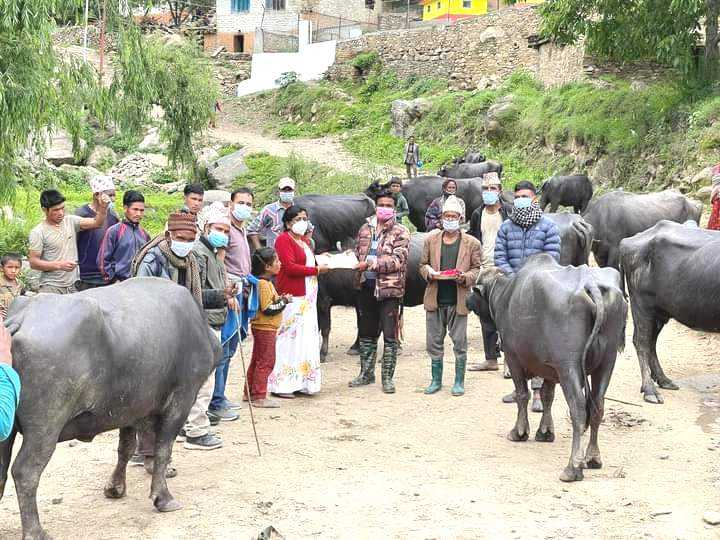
(297,364)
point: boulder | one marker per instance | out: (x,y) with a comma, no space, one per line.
(152,140)
(60,149)
(704,194)
(223,172)
(502,108)
(159,160)
(102,155)
(216,195)
(703,177)
(405,113)
(133,170)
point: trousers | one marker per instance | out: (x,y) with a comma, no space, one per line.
(375,316)
(262,362)
(490,340)
(445,320)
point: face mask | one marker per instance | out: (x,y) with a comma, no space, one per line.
(181,249)
(287,196)
(522,202)
(242,212)
(451,225)
(300,227)
(490,197)
(384,214)
(217,239)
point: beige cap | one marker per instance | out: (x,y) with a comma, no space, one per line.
(491,179)
(286,182)
(452,204)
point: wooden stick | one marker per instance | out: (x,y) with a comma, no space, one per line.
(623,402)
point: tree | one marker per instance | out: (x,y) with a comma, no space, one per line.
(180,10)
(667,31)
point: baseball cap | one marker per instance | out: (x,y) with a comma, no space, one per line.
(286,182)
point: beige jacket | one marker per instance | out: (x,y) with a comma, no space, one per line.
(469,262)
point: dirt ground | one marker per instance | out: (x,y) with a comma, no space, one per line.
(356,463)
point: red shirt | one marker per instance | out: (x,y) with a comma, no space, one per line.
(294,269)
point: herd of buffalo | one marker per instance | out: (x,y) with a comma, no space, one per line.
(568,330)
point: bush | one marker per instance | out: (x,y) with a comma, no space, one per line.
(123,143)
(286,79)
(229,149)
(364,61)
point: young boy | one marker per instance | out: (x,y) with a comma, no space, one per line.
(10,287)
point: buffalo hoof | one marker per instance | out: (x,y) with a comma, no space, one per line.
(36,535)
(323,359)
(114,492)
(353,352)
(653,397)
(548,436)
(571,474)
(167,505)
(667,384)
(514,436)
(593,463)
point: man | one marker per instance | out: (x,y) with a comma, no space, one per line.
(448,253)
(526,233)
(88,242)
(237,264)
(268,223)
(484,225)
(194,194)
(401,205)
(412,157)
(123,240)
(382,249)
(171,257)
(52,247)
(9,385)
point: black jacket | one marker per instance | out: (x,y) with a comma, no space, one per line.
(475,225)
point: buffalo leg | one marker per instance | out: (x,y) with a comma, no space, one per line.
(35,453)
(115,488)
(656,370)
(600,382)
(323,315)
(6,447)
(521,430)
(546,431)
(572,387)
(554,206)
(645,341)
(168,427)
(354,349)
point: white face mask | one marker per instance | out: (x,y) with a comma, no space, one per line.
(181,249)
(451,225)
(300,227)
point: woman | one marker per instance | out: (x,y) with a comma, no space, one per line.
(714,223)
(297,364)
(433,216)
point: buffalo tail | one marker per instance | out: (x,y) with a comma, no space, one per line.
(596,295)
(6,447)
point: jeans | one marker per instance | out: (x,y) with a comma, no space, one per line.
(375,316)
(219,401)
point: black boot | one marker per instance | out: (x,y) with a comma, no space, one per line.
(368,354)
(389,361)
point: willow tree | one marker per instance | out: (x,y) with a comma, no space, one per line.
(667,31)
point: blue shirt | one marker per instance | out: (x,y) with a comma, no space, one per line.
(9,399)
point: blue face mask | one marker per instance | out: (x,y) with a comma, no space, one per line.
(242,212)
(217,239)
(490,197)
(522,202)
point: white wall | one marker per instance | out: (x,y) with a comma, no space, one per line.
(247,21)
(310,63)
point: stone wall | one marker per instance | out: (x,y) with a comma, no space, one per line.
(468,53)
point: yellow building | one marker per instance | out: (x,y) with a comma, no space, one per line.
(453,10)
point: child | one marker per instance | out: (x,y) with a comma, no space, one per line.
(265,265)
(10,287)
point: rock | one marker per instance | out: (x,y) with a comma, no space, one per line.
(711,517)
(87,172)
(638,86)
(102,155)
(223,172)
(60,149)
(493,32)
(151,140)
(406,113)
(134,169)
(216,195)
(704,177)
(157,112)
(159,160)
(493,129)
(57,500)
(704,193)
(502,108)
(314,109)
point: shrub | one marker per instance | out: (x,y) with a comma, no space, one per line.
(365,60)
(286,79)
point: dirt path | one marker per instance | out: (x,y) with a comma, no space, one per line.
(361,464)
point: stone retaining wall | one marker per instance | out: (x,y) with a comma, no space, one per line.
(468,53)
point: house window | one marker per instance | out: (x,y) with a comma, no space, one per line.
(429,8)
(239,5)
(438,5)
(467,4)
(275,4)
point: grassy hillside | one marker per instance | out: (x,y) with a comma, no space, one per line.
(633,135)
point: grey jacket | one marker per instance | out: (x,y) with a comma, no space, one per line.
(414,155)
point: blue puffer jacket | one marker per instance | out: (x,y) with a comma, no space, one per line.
(515,244)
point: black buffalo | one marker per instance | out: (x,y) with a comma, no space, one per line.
(336,289)
(471,156)
(575,191)
(576,236)
(131,356)
(671,273)
(471,170)
(336,218)
(618,215)
(564,324)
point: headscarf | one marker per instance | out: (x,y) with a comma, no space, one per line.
(527,217)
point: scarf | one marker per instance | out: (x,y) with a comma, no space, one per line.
(192,274)
(526,217)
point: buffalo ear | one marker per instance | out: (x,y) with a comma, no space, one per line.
(479,289)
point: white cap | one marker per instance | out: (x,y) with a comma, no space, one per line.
(452,204)
(101,182)
(491,179)
(286,182)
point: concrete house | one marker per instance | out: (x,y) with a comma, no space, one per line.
(237,20)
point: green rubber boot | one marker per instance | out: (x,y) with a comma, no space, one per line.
(368,354)
(436,367)
(389,361)
(458,388)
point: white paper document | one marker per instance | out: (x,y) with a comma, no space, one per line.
(338,260)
